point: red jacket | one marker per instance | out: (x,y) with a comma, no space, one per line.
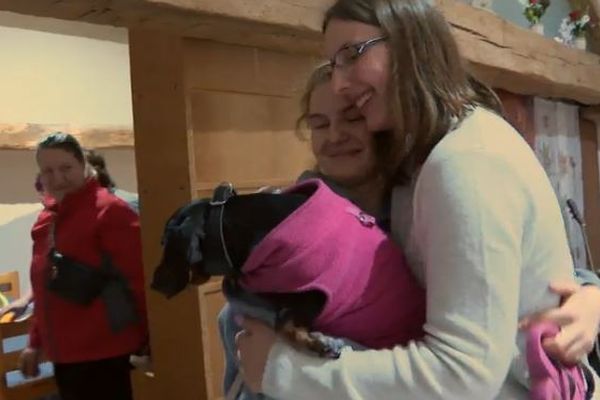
(88,222)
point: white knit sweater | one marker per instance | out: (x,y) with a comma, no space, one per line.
(483,231)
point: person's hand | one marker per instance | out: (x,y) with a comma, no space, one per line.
(578,317)
(29,362)
(254,343)
(16,305)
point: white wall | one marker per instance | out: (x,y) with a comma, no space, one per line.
(53,77)
(16,221)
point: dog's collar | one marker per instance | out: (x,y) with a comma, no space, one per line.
(217,259)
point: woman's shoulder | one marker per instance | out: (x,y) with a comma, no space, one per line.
(130,198)
(481,131)
(483,138)
(110,205)
(43,219)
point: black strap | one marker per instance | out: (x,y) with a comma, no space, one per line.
(589,380)
(116,293)
(217,259)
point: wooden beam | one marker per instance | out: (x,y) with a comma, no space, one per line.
(265,23)
(515,59)
(501,53)
(165,172)
(26,136)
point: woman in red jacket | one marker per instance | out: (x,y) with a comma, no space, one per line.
(87,279)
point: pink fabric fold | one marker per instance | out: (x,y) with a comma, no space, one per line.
(550,380)
(328,244)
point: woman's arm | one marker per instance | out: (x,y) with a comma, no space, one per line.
(578,317)
(469,220)
(19,304)
(119,233)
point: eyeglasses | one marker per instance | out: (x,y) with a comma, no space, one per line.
(348,54)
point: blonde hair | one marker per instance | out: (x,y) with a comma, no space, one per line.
(319,76)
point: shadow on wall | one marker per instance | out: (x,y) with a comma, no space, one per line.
(16,221)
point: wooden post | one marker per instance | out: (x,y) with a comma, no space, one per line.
(590,131)
(518,110)
(165,176)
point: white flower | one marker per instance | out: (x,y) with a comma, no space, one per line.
(566,31)
(585,19)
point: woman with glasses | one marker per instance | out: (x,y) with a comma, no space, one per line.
(471,206)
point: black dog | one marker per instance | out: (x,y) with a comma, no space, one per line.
(326,266)
(214,238)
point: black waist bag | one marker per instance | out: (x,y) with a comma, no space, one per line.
(74,281)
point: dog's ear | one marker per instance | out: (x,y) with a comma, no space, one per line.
(182,256)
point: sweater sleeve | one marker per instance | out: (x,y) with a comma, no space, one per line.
(586,277)
(119,232)
(469,215)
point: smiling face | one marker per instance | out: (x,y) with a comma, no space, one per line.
(60,172)
(364,82)
(340,139)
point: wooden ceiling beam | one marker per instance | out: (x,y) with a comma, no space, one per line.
(501,53)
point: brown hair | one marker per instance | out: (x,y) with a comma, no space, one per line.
(62,141)
(98,163)
(431,86)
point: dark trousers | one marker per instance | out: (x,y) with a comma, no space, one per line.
(106,379)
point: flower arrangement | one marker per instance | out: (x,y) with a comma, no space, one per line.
(580,22)
(535,10)
(573,27)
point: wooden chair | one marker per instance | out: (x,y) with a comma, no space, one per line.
(9,284)
(13,338)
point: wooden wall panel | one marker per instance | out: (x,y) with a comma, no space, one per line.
(165,176)
(518,110)
(591,187)
(240,108)
(204,113)
(243,107)
(234,68)
(250,142)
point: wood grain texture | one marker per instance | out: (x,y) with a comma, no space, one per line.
(165,174)
(590,129)
(501,53)
(26,136)
(518,110)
